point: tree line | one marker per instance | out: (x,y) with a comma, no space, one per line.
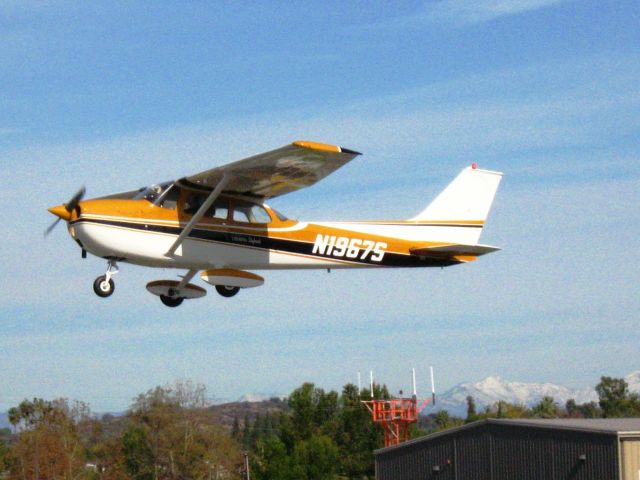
(170,433)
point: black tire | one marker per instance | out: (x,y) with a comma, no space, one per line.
(102,288)
(171,301)
(226,291)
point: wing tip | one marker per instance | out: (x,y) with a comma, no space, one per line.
(324,147)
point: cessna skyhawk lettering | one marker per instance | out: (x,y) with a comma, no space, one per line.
(216,223)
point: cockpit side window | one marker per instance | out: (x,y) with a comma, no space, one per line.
(169,198)
(193,202)
(258,214)
(250,213)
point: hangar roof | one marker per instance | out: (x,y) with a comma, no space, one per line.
(606,426)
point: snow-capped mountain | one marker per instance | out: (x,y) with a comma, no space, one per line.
(493,389)
(633,380)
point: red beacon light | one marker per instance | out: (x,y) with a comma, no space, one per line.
(474,165)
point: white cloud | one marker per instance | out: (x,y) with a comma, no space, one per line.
(462,13)
(469,12)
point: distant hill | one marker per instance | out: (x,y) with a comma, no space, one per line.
(227,412)
(492,389)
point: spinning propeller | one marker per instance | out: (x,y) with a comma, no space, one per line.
(63,212)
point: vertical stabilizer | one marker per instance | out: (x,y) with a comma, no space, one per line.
(465,203)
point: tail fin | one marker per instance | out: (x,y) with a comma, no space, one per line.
(464,205)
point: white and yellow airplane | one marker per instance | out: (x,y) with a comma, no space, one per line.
(216,223)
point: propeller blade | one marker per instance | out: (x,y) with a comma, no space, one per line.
(73,203)
(51,227)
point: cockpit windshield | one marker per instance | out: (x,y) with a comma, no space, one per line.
(153,192)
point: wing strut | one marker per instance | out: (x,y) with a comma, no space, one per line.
(198,215)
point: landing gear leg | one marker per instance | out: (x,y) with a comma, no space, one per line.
(104,286)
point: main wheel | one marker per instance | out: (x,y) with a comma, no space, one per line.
(226,291)
(102,287)
(171,301)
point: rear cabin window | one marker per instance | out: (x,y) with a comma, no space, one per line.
(219,210)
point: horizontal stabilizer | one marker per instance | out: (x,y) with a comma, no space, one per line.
(454,250)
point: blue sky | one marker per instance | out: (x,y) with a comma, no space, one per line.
(121,94)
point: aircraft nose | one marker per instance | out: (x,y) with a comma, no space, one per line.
(61,212)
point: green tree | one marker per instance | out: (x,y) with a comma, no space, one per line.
(357,436)
(615,399)
(472,416)
(273,461)
(445,421)
(48,443)
(590,410)
(171,426)
(235,429)
(138,458)
(545,408)
(504,409)
(571,408)
(317,457)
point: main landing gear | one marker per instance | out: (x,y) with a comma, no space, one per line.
(227,291)
(104,286)
(171,301)
(171,292)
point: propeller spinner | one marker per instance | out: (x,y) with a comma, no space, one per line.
(63,212)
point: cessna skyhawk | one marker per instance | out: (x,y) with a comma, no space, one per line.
(216,223)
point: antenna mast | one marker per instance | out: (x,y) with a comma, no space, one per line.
(433,387)
(371,381)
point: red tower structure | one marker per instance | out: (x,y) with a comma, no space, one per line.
(395,415)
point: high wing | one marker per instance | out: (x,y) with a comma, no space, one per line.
(274,173)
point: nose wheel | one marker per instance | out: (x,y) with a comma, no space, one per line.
(104,286)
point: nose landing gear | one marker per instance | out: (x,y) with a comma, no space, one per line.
(103,286)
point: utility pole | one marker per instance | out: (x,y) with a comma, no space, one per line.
(247,475)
